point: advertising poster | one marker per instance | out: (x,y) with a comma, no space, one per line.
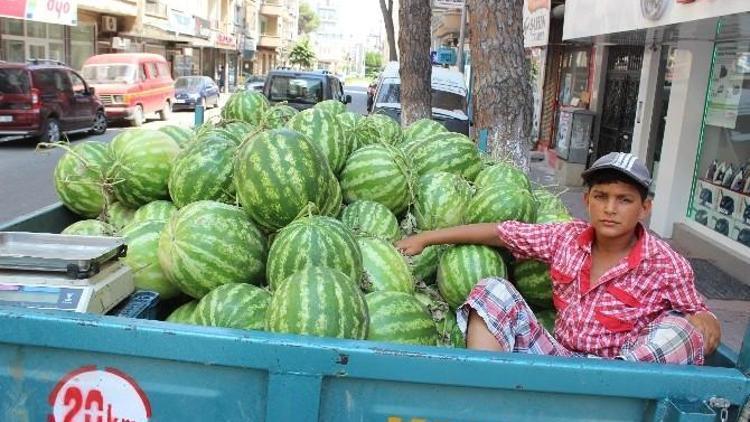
(64,12)
(535,22)
(725,88)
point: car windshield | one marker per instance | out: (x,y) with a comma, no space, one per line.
(188,83)
(391,93)
(296,89)
(14,81)
(109,73)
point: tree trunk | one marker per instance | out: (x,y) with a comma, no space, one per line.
(501,78)
(389,30)
(416,66)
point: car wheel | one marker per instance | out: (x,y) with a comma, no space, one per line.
(138,117)
(166,112)
(100,123)
(51,131)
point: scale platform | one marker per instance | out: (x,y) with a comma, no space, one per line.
(75,273)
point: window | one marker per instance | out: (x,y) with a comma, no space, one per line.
(152,72)
(14,81)
(142,72)
(13,51)
(46,81)
(12,27)
(109,73)
(36,29)
(163,69)
(79,86)
(298,90)
(574,75)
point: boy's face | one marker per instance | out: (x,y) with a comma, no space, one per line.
(615,208)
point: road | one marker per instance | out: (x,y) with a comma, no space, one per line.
(26,182)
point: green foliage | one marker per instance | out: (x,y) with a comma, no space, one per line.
(373,63)
(302,54)
(308,19)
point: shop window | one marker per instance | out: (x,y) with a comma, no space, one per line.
(36,29)
(574,76)
(12,27)
(79,52)
(720,196)
(13,51)
(55,32)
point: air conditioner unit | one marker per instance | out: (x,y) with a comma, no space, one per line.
(120,43)
(109,24)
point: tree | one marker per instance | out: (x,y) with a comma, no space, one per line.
(308,19)
(373,63)
(302,54)
(501,83)
(415,68)
(389,29)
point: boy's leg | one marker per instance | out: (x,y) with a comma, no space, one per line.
(668,339)
(496,312)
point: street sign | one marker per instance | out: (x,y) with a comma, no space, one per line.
(446,55)
(447,4)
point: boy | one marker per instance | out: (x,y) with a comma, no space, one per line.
(619,291)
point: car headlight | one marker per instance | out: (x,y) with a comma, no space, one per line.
(118,99)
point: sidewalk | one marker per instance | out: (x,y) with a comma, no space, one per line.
(733,314)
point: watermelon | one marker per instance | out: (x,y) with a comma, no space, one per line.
(246,106)
(234,305)
(440,200)
(547,319)
(549,207)
(183,136)
(236,134)
(238,130)
(494,204)
(532,280)
(278,116)
(370,218)
(334,197)
(399,318)
(377,173)
(318,301)
(119,215)
(365,132)
(424,265)
(334,107)
(349,120)
(449,332)
(316,240)
(423,128)
(80,176)
(462,266)
(155,210)
(502,174)
(90,228)
(278,174)
(142,239)
(389,129)
(326,133)
(142,160)
(207,244)
(204,171)
(385,268)
(450,152)
(185,314)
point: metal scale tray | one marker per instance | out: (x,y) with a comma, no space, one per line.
(77,256)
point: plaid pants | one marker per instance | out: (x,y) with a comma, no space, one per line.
(668,339)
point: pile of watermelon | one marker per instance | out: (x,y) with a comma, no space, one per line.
(276,220)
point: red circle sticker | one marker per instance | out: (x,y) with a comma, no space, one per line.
(90,394)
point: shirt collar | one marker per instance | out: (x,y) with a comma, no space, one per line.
(586,238)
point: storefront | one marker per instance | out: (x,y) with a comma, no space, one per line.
(690,112)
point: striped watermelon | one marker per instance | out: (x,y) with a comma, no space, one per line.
(334,107)
(334,198)
(385,268)
(80,176)
(185,314)
(183,136)
(424,266)
(502,174)
(532,280)
(234,131)
(326,133)
(316,240)
(389,129)
(440,200)
(450,333)
(204,171)
(320,302)
(462,266)
(423,128)
(547,319)
(399,318)
(234,305)
(371,219)
(348,120)
(156,210)
(207,244)
(237,130)
(278,174)
(142,257)
(246,106)
(90,228)
(549,207)
(377,173)
(119,215)
(497,203)
(142,159)
(365,132)
(278,116)
(451,152)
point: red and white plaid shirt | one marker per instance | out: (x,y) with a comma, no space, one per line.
(599,320)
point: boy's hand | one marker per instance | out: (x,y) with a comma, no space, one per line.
(412,245)
(709,327)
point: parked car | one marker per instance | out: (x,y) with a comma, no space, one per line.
(44,100)
(132,85)
(255,83)
(449,105)
(303,90)
(188,90)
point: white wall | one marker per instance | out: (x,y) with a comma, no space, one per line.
(646,101)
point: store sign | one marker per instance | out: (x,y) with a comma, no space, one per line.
(448,4)
(225,40)
(63,12)
(180,22)
(535,22)
(202,28)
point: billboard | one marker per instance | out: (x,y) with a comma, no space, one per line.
(535,22)
(63,12)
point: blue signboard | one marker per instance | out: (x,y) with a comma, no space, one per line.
(446,55)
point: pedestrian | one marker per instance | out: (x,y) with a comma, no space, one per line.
(619,291)
(221,78)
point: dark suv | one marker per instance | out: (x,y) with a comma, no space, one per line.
(303,90)
(44,100)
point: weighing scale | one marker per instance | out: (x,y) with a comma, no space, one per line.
(65,272)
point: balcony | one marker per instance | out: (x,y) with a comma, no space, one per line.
(272,8)
(269,41)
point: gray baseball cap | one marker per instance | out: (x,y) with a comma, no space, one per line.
(625,163)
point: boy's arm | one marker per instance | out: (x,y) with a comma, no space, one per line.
(474,234)
(685,298)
